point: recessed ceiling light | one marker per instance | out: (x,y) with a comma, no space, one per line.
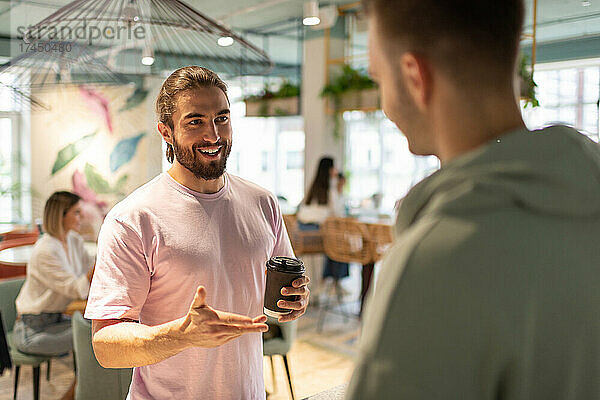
(586,3)
(225,41)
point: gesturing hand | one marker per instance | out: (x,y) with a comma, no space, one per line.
(203,326)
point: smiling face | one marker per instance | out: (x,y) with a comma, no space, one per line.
(201,134)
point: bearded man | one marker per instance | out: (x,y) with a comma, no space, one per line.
(191,237)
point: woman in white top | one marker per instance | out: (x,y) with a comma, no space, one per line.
(59,271)
(322,201)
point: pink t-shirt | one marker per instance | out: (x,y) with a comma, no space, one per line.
(163,241)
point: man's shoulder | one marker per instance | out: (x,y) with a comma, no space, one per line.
(248,188)
(143,198)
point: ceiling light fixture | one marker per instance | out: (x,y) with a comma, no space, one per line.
(148,56)
(311,13)
(225,41)
(586,3)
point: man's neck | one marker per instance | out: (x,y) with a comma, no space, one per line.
(185,177)
(466,125)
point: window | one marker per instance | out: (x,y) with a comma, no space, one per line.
(378,161)
(568,93)
(14,163)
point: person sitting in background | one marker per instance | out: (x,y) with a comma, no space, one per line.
(59,271)
(322,202)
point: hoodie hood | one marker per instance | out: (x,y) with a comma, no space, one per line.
(553,171)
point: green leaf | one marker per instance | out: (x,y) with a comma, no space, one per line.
(95,180)
(120,184)
(70,151)
(136,98)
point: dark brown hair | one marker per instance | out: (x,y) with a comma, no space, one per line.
(319,189)
(185,78)
(457,35)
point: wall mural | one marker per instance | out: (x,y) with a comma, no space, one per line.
(97,149)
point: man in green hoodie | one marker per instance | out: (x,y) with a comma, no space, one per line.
(492,287)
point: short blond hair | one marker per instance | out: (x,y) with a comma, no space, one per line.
(55,209)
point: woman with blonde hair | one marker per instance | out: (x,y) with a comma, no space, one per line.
(59,271)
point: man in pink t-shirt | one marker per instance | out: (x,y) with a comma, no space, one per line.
(180,273)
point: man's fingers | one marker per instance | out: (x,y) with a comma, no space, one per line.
(260,319)
(231,318)
(290,291)
(292,305)
(291,316)
(302,281)
(199,298)
(232,330)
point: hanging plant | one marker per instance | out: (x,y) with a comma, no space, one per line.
(269,103)
(526,83)
(339,89)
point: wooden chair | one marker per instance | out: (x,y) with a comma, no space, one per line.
(303,242)
(9,290)
(380,237)
(344,240)
(11,270)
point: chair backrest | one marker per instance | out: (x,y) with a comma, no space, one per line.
(303,242)
(11,270)
(380,237)
(93,381)
(280,345)
(346,240)
(9,290)
(21,234)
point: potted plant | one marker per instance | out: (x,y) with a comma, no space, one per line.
(353,89)
(526,84)
(269,103)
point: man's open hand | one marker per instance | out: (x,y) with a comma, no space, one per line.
(204,326)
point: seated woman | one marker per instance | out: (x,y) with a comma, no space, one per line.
(59,271)
(321,202)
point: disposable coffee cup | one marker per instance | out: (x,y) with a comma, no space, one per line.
(281,272)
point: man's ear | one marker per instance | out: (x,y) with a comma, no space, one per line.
(417,78)
(165,132)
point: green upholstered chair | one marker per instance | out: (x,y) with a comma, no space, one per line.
(280,345)
(9,290)
(93,381)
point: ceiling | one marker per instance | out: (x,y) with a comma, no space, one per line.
(274,25)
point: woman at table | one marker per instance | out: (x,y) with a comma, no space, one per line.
(322,202)
(59,271)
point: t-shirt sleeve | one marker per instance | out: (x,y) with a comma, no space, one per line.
(283,247)
(122,278)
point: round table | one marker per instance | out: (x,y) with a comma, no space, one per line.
(16,255)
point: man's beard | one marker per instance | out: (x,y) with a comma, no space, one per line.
(190,159)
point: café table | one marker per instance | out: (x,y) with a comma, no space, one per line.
(20,255)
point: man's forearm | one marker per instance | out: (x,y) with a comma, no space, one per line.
(130,344)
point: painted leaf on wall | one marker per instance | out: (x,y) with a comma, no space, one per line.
(98,104)
(70,151)
(135,99)
(95,180)
(120,185)
(124,151)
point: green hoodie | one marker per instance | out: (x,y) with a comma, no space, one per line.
(492,287)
